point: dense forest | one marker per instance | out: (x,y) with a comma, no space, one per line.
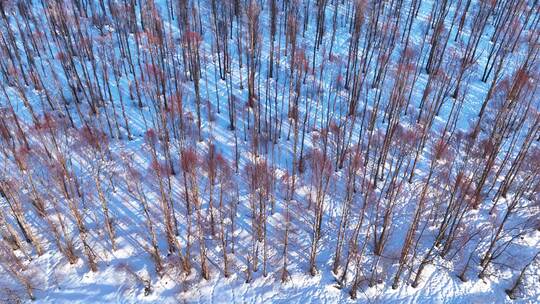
(167,150)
